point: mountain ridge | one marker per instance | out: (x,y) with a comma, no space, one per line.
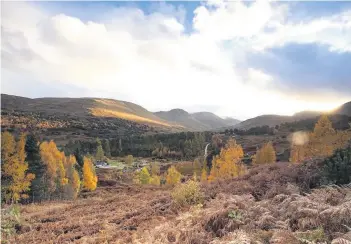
(196,121)
(86,107)
(174,120)
(272,120)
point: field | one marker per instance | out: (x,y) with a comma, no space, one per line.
(272,204)
(117,164)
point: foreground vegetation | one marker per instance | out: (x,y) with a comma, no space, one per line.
(276,203)
(306,200)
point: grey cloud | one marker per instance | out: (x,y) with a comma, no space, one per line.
(15,49)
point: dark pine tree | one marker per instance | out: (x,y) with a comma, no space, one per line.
(35,166)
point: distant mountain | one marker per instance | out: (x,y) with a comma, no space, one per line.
(270,120)
(344,109)
(273,120)
(231,121)
(195,121)
(306,115)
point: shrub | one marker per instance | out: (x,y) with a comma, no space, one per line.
(337,168)
(155,180)
(11,220)
(314,236)
(173,176)
(235,214)
(144,176)
(188,193)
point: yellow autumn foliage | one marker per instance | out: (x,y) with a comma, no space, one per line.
(173,176)
(265,155)
(322,141)
(54,161)
(15,180)
(228,163)
(89,176)
(155,180)
(73,180)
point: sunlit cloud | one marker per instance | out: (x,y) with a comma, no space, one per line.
(153,60)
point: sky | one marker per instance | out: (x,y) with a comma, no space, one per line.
(237,59)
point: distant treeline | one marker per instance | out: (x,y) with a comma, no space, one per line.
(339,122)
(184,145)
(259,130)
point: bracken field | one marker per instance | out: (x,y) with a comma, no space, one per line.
(270,204)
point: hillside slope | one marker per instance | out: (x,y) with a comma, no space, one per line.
(195,121)
(83,107)
(273,120)
(270,120)
(344,109)
(63,119)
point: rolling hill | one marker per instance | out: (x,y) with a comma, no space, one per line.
(83,107)
(344,109)
(63,119)
(273,120)
(98,117)
(196,121)
(70,118)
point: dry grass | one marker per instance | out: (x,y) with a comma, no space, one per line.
(244,210)
(109,215)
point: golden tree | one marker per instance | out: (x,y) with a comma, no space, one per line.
(54,160)
(173,176)
(8,145)
(297,153)
(144,176)
(15,180)
(323,127)
(73,185)
(228,163)
(155,180)
(322,141)
(322,138)
(265,155)
(89,177)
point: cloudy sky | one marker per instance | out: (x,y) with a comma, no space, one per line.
(238,59)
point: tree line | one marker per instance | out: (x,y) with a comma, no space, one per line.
(40,171)
(184,145)
(322,142)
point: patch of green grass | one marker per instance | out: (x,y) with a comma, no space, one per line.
(117,164)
